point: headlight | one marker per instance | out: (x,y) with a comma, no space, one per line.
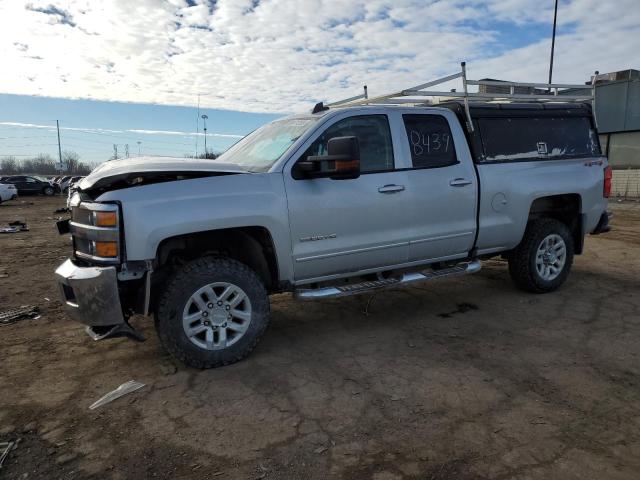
(95,228)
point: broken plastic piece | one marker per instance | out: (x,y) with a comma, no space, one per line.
(128,387)
(5,447)
(11,316)
(115,331)
(21,226)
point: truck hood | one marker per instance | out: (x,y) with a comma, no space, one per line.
(129,172)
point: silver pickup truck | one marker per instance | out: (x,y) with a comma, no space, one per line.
(337,202)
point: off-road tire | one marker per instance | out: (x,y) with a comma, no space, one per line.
(48,191)
(522,260)
(179,289)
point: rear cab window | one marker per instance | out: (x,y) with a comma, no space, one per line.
(430,140)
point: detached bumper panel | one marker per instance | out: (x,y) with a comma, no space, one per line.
(90,294)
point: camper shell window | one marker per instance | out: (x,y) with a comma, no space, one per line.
(530,132)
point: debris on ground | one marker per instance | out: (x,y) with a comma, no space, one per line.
(21,313)
(366,308)
(462,308)
(128,387)
(62,210)
(14,227)
(5,448)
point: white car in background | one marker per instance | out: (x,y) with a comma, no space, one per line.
(8,191)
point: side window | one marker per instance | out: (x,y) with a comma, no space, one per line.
(430,141)
(30,180)
(374,139)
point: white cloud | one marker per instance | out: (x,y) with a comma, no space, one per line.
(133,130)
(284,55)
(183,134)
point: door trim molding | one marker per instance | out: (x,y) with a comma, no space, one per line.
(349,252)
(442,237)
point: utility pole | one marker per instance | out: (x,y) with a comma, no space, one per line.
(204,119)
(61,167)
(126,150)
(197,125)
(115,151)
(138,142)
(553,39)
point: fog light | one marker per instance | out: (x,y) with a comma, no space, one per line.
(105,219)
(105,249)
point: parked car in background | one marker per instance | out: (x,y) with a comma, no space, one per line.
(74,180)
(8,191)
(72,188)
(65,182)
(30,184)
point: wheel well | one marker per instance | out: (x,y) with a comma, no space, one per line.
(565,208)
(252,246)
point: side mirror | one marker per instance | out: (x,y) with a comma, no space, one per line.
(341,162)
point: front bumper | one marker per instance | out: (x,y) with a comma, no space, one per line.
(90,294)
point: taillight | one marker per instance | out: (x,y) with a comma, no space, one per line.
(606,193)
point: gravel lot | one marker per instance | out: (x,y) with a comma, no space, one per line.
(456,379)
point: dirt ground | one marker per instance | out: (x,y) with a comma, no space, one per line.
(455,379)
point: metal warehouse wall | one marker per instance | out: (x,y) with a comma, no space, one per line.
(618,106)
(622,148)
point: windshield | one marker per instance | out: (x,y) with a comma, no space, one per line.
(259,150)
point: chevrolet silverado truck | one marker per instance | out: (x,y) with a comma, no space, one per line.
(341,201)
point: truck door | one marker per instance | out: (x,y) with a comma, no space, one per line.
(349,225)
(441,185)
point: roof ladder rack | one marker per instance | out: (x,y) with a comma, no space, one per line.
(537,92)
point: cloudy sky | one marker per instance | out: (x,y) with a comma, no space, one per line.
(282,56)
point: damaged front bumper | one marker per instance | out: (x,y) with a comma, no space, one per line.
(91,296)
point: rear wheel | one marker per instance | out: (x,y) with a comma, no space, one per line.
(542,261)
(212,312)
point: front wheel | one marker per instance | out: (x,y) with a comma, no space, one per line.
(542,261)
(48,191)
(212,312)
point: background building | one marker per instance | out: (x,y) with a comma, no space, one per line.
(618,117)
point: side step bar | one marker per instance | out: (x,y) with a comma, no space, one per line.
(362,287)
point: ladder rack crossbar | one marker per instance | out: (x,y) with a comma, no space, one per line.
(346,100)
(494,83)
(498,96)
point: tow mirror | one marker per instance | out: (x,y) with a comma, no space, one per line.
(341,162)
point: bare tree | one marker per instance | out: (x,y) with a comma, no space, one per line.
(44,164)
(9,165)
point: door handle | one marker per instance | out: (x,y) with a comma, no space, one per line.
(391,188)
(459,182)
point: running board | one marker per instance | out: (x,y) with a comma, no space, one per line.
(362,287)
